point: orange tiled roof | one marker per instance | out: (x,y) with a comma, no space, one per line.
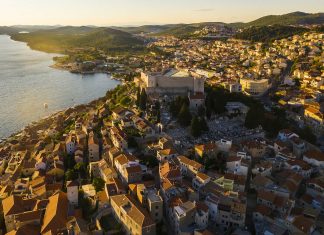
(55,217)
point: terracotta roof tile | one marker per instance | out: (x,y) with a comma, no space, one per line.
(55,217)
(133,210)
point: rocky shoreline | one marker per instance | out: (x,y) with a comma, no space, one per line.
(77,71)
(51,118)
(46,122)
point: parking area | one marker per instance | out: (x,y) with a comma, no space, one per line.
(219,128)
(232,129)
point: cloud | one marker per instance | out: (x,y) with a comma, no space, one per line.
(205,9)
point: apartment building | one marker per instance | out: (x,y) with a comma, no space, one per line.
(134,218)
(190,167)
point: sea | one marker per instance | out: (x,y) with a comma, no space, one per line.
(27,83)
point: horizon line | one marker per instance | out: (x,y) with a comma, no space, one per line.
(152,24)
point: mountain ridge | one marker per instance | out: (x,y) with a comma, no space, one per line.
(61,39)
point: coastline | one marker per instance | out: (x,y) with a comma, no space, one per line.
(15,135)
(62,67)
(58,66)
(4,140)
(18,130)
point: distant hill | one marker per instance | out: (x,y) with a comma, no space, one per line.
(269,33)
(294,18)
(32,28)
(145,29)
(9,30)
(180,31)
(186,30)
(59,40)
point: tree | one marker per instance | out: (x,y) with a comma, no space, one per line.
(254,117)
(143,100)
(125,101)
(184,116)
(158,116)
(219,105)
(220,163)
(98,184)
(201,111)
(138,97)
(307,134)
(70,175)
(195,127)
(176,105)
(203,124)
(215,101)
(208,113)
(157,105)
(297,82)
(81,169)
(132,143)
(69,161)
(85,205)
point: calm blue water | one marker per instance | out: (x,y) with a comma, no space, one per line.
(27,82)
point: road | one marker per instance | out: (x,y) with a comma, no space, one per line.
(275,83)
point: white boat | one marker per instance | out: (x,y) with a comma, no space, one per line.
(45,105)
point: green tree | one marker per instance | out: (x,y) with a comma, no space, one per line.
(307,134)
(195,127)
(98,184)
(203,124)
(297,82)
(132,143)
(138,96)
(125,101)
(201,111)
(70,175)
(158,116)
(219,105)
(143,100)
(184,116)
(81,169)
(176,105)
(254,117)
(86,205)
(69,161)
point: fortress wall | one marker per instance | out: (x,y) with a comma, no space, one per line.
(176,83)
(167,90)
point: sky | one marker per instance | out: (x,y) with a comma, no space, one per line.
(141,12)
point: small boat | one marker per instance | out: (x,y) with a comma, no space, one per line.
(45,105)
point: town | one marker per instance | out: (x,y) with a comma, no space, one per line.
(202,137)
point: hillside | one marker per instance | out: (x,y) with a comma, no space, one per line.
(293,18)
(269,33)
(9,30)
(66,38)
(117,39)
(181,31)
(186,30)
(145,29)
